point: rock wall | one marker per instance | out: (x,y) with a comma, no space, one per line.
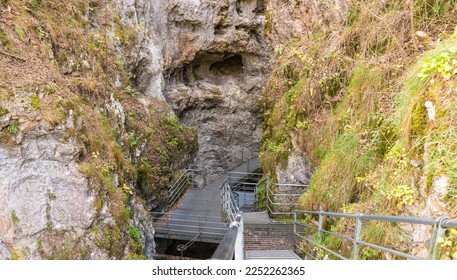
(208,60)
(88,145)
(41,188)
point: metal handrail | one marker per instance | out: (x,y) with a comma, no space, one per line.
(232,246)
(178,188)
(439,227)
(159,215)
(235,152)
(229,205)
(189,225)
(274,199)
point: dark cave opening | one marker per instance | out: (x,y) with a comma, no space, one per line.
(231,66)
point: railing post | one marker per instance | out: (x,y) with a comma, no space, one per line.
(268,196)
(222,201)
(200,229)
(256,197)
(168,226)
(225,206)
(295,228)
(438,232)
(356,246)
(319,230)
(204,177)
(239,245)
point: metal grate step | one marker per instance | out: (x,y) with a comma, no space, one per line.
(271,255)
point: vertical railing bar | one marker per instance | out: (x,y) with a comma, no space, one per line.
(295,228)
(319,230)
(438,233)
(200,229)
(356,246)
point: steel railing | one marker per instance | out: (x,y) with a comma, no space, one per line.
(243,186)
(180,186)
(242,155)
(229,205)
(279,200)
(243,180)
(183,226)
(236,158)
(232,246)
(309,238)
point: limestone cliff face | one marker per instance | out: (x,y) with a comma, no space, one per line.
(84,154)
(88,143)
(208,60)
(41,187)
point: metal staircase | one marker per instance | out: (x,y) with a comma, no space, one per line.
(235,204)
(197,211)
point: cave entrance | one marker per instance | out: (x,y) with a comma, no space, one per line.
(231,66)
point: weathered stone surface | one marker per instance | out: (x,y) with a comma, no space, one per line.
(215,62)
(4,252)
(142,220)
(296,18)
(297,171)
(207,58)
(41,188)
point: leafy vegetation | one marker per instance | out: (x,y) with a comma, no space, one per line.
(13,128)
(374,110)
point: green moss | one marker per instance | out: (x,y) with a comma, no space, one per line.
(51,195)
(5,41)
(13,128)
(3,111)
(136,246)
(35,102)
(269,24)
(111,240)
(14,217)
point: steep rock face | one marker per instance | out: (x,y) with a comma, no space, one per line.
(42,188)
(87,145)
(215,82)
(84,155)
(213,56)
(297,18)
